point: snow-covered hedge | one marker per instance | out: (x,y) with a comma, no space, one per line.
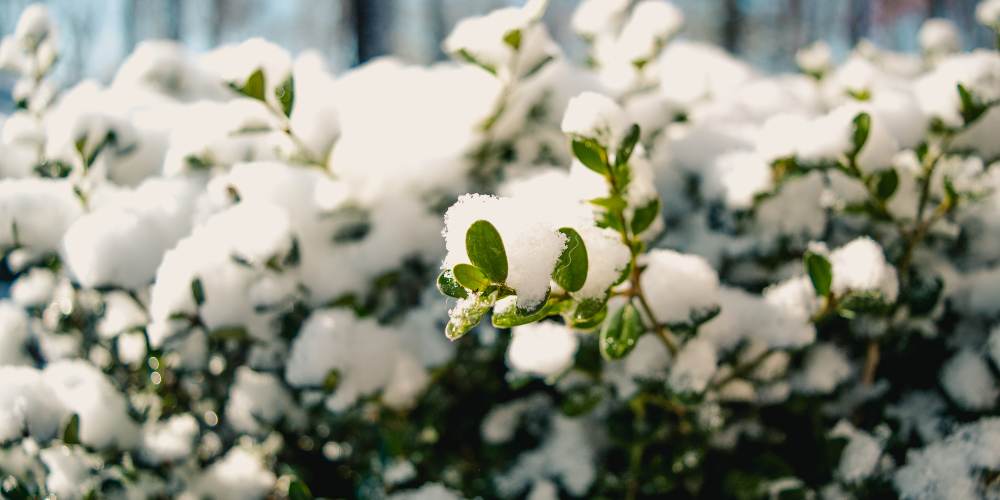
(664,274)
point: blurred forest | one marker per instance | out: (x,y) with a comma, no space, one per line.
(96,35)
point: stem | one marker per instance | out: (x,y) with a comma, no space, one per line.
(634,464)
(913,238)
(635,281)
(743,369)
(304,151)
(661,331)
(872,356)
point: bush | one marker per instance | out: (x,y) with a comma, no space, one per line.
(677,277)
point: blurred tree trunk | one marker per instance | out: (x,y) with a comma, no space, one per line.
(372,21)
(859,20)
(797,23)
(439,28)
(221,11)
(175,18)
(732,25)
(129,13)
(935,8)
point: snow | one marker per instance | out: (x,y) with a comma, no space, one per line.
(13,335)
(170,440)
(566,454)
(84,390)
(746,316)
(595,116)
(825,367)
(949,468)
(988,13)
(29,404)
(531,245)
(594,17)
(861,266)
(35,213)
(256,400)
(938,37)
(694,367)
(737,178)
(668,271)
(429,491)
(34,288)
(68,469)
(860,457)
(336,341)
(239,474)
(484,38)
(967,380)
(544,349)
(815,58)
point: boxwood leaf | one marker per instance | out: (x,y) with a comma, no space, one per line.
(820,272)
(71,431)
(486,251)
(286,95)
(645,215)
(591,154)
(886,183)
(470,277)
(449,285)
(621,332)
(627,145)
(862,126)
(571,268)
(254,86)
(198,291)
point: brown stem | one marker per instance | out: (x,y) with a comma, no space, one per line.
(661,331)
(872,356)
(743,369)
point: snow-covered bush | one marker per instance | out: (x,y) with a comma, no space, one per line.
(666,274)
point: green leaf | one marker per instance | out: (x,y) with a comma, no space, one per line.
(571,268)
(971,109)
(198,291)
(511,315)
(820,272)
(255,86)
(467,56)
(592,321)
(886,183)
(286,95)
(297,490)
(332,380)
(449,285)
(237,333)
(468,276)
(863,302)
(466,316)
(627,145)
(513,39)
(53,169)
(950,193)
(532,71)
(621,332)
(645,215)
(580,399)
(81,147)
(613,203)
(862,127)
(71,431)
(591,154)
(486,251)
(923,292)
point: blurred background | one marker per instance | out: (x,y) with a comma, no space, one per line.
(96,35)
